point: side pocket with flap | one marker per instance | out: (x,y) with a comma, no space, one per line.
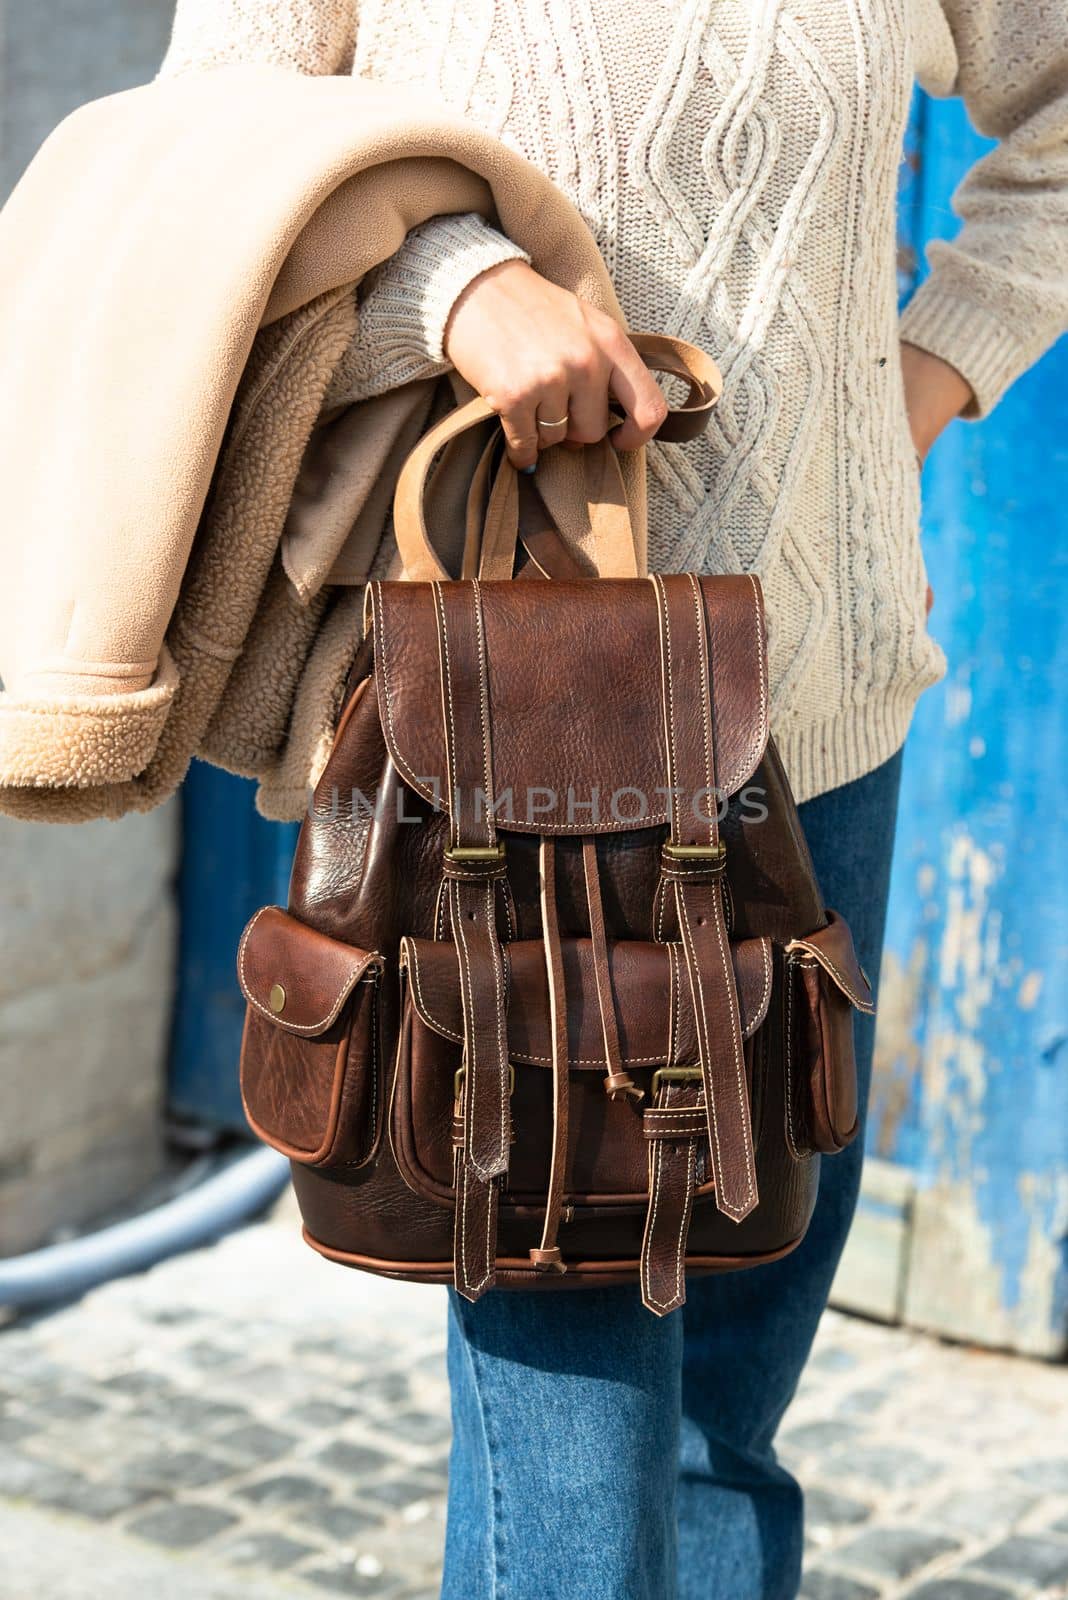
(825,983)
(310,1073)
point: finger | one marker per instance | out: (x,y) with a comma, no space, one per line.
(553,415)
(638,394)
(520,428)
(589,408)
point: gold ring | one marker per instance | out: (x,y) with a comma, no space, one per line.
(565,418)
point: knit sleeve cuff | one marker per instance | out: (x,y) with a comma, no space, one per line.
(415,290)
(984,350)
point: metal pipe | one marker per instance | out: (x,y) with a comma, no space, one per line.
(244,1188)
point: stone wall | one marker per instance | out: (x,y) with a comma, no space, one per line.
(87,933)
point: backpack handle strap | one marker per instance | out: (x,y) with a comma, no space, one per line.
(659,351)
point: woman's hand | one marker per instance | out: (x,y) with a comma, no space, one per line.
(549,364)
(935,393)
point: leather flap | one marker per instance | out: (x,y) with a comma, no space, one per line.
(576,721)
(832,947)
(644,978)
(296,977)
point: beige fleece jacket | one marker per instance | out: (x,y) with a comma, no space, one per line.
(737,163)
(191,507)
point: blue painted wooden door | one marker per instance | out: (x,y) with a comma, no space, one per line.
(233,862)
(972,1076)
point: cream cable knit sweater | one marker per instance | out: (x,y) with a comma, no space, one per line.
(737,162)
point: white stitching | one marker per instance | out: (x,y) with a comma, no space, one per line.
(465,1181)
(474,876)
(351,980)
(704,1040)
(421,787)
(449,731)
(483,710)
(656,1153)
(744,769)
(502,1040)
(509,908)
(702,1028)
(469,1042)
(753,754)
(765,995)
(667,691)
(829,966)
(706,692)
(435,1022)
(659,911)
(695,983)
(792,1140)
(739,1061)
(659,1116)
(691,1150)
(390,730)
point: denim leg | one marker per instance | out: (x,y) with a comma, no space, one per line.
(566,1405)
(748,1334)
(562,1476)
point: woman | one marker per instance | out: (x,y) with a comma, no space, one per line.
(736,161)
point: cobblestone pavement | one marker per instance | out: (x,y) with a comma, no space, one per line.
(250,1422)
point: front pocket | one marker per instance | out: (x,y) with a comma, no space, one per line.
(607,1150)
(310,1072)
(824,985)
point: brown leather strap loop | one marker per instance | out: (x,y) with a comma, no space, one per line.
(659,351)
(663,353)
(664,1122)
(477,494)
(463,870)
(547,1260)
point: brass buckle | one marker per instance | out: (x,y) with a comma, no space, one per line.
(461,1073)
(696,852)
(475,852)
(674,1075)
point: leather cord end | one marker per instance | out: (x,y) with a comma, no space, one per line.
(621,1086)
(548,1260)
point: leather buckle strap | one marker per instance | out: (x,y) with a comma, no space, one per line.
(472,869)
(693,866)
(674,1128)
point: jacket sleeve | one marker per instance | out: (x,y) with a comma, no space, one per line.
(997,295)
(405,305)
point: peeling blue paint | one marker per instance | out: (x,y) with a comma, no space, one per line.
(972,1081)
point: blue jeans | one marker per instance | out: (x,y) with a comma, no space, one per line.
(601,1453)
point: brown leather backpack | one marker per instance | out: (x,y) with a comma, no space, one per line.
(567,1008)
